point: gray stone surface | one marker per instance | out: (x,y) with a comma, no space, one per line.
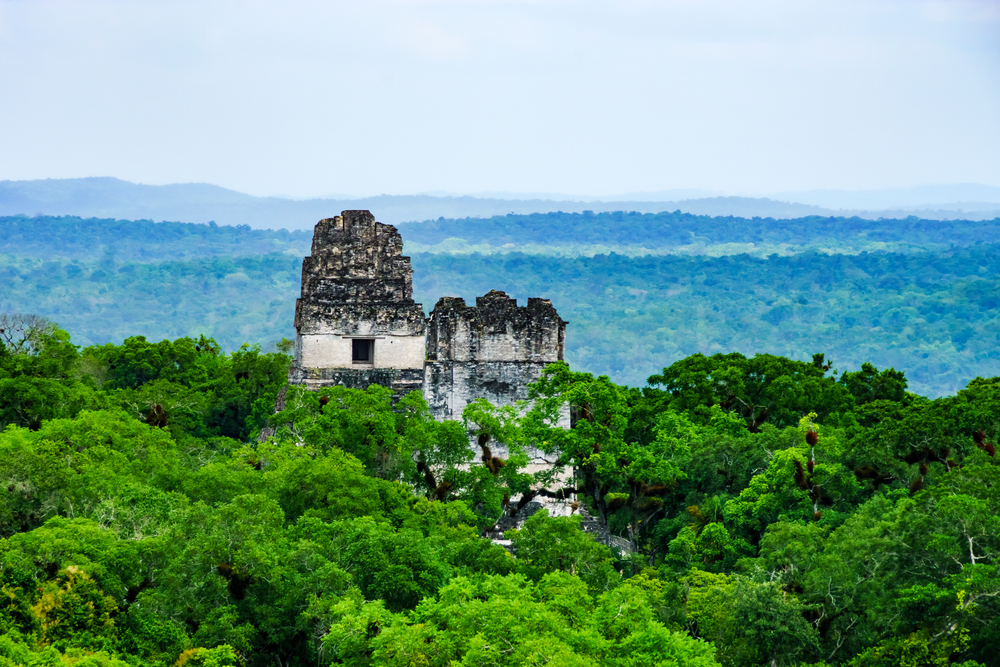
(357,284)
(357,274)
(401,381)
(492,350)
(495,329)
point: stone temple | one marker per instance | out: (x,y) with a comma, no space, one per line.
(357,325)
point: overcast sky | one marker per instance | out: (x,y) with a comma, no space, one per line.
(589,98)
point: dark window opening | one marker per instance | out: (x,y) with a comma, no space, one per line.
(362,350)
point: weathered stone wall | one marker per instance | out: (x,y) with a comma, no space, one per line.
(401,381)
(356,268)
(496,329)
(449,386)
(334,351)
(492,350)
(357,284)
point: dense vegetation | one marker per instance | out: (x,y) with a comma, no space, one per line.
(233,299)
(634,233)
(933,312)
(777,515)
(108,240)
(564,234)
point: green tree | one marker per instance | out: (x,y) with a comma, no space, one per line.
(545,545)
(762,389)
(38,373)
(869,384)
(361,422)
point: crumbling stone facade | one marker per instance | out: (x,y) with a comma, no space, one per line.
(491,351)
(356,322)
(357,325)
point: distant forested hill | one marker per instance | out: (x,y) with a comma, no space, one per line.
(234,299)
(934,314)
(588,233)
(73,237)
(564,234)
(201,202)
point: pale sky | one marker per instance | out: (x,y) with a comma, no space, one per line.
(367,97)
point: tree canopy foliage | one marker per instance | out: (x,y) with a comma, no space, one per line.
(631,232)
(936,314)
(763,511)
(73,237)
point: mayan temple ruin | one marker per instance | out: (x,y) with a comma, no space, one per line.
(357,325)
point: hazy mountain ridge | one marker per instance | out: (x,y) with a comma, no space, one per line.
(973,196)
(106,197)
(942,197)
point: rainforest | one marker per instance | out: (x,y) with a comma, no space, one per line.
(794,453)
(915,294)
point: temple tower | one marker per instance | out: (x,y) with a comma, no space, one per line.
(357,325)
(356,322)
(492,350)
